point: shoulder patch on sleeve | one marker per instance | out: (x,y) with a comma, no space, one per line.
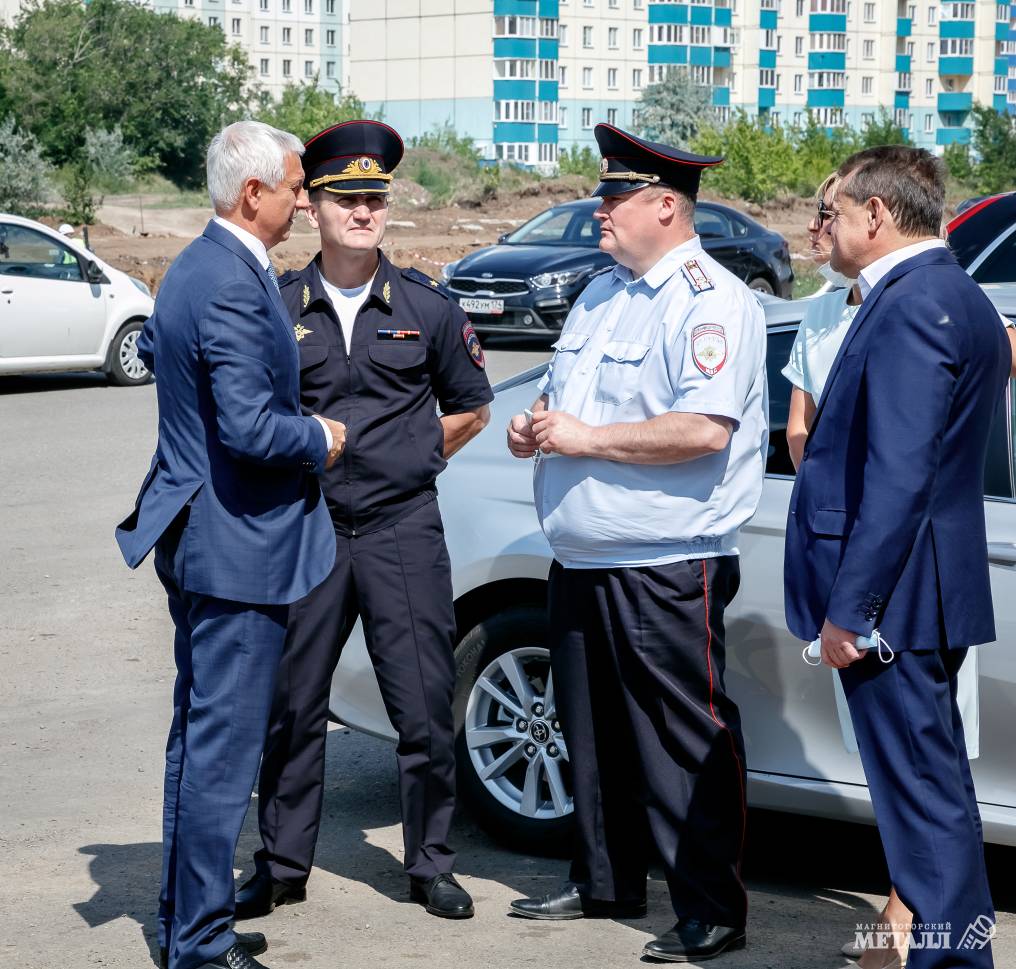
(472,342)
(697,277)
(423,279)
(709,348)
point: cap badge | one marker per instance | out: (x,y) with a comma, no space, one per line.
(603,166)
(386,292)
(306,297)
(300,331)
(709,348)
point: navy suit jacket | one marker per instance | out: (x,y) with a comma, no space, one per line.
(886,527)
(232,440)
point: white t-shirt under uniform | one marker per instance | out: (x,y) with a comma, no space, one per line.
(347,303)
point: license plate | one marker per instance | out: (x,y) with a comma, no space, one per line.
(492,307)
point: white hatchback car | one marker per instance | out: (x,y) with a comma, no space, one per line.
(62,308)
(513,767)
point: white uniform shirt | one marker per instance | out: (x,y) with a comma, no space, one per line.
(347,303)
(687,337)
(818,340)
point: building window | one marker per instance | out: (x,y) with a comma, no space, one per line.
(308,38)
(612,38)
(587,77)
(929,124)
(548,111)
(287,36)
(636,38)
(798,83)
(287,6)
(562,35)
(514,26)
(562,117)
(330,6)
(612,116)
(514,111)
(866,83)
(587,118)
(263,67)
(957,11)
(798,46)
(867,118)
(562,75)
(330,69)
(308,68)
(263,35)
(612,78)
(928,87)
(287,68)
(767,78)
(957,46)
(587,36)
(235,26)
(869,13)
(504,67)
(702,35)
(308,6)
(548,27)
(330,38)
(548,70)
(799,8)
(264,5)
(213,21)
(636,78)
(932,17)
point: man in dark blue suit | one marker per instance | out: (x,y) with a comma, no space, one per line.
(886,531)
(237,520)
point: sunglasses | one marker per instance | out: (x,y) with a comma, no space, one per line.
(824,212)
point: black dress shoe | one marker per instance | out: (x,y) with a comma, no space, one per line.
(261,894)
(442,895)
(254,942)
(694,941)
(569,904)
(235,958)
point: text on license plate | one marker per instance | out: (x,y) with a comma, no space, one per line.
(494,307)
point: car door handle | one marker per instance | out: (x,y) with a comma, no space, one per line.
(7,292)
(1002,553)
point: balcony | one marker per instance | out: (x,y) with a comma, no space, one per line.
(958,101)
(955,66)
(904,26)
(952,136)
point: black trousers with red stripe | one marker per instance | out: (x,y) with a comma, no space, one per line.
(654,742)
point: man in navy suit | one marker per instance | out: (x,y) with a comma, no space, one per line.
(234,511)
(886,531)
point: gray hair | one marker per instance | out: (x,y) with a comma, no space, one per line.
(243,150)
(909,181)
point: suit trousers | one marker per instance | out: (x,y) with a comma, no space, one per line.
(398,579)
(910,738)
(227,655)
(654,742)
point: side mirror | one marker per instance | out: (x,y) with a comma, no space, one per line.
(93,273)
(503,237)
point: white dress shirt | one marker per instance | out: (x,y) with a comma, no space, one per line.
(260,253)
(870,275)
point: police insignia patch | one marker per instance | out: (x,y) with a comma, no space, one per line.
(696,276)
(300,331)
(472,342)
(709,348)
(306,297)
(386,292)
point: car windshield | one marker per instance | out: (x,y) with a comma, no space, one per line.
(558,227)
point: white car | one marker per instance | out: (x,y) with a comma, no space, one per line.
(513,770)
(63,308)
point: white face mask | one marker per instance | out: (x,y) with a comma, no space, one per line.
(837,279)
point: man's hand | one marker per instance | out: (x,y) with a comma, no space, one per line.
(838,649)
(560,433)
(338,430)
(521,439)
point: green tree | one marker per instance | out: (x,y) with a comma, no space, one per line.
(576,162)
(170,83)
(958,163)
(882,130)
(26,178)
(674,110)
(994,145)
(820,151)
(760,164)
(306,109)
(105,164)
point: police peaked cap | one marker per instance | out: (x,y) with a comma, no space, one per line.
(352,158)
(630,163)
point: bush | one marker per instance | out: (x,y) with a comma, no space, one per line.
(104,165)
(26,182)
(576,162)
(994,144)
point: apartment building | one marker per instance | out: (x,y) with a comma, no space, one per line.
(525,78)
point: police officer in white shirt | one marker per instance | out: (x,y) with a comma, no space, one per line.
(650,436)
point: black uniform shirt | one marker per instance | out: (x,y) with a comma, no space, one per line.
(412,349)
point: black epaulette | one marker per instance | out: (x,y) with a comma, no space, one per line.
(424,280)
(289,276)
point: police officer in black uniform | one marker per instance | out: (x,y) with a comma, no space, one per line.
(381,348)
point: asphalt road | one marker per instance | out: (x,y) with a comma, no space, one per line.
(85,679)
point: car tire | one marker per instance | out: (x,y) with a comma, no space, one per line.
(505,648)
(762,285)
(123,366)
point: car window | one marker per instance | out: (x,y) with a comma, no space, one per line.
(1000,266)
(711,224)
(999,468)
(588,231)
(777,354)
(555,227)
(26,252)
